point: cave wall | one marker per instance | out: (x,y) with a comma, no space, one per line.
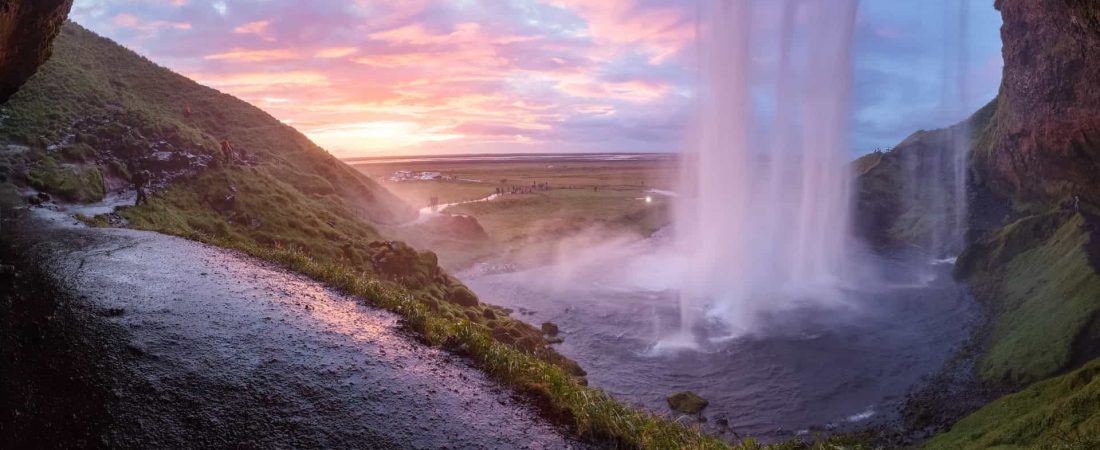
(27,30)
(1045,147)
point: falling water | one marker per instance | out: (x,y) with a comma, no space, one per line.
(764,226)
(960,135)
(936,180)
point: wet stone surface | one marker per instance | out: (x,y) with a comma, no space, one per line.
(207,348)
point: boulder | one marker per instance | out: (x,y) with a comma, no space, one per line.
(549,329)
(489,314)
(687,402)
(459,227)
(462,296)
(399,261)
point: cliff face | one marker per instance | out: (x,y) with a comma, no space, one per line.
(1045,147)
(27,30)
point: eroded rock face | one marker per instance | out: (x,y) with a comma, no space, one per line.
(27,30)
(1046,147)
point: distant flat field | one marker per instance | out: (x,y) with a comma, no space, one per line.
(606,192)
(475,177)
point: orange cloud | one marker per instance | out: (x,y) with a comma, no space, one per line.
(379,134)
(254,55)
(262,82)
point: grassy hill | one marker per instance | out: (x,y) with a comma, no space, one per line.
(98,105)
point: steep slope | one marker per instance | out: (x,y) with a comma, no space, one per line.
(27,28)
(1035,278)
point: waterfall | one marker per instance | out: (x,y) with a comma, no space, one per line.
(765,225)
(936,180)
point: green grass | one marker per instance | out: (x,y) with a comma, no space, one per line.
(1034,276)
(1059,413)
(527,217)
(264,209)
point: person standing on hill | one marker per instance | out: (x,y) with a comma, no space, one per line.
(140,178)
(227,151)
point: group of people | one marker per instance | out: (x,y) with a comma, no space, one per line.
(534,187)
(140,178)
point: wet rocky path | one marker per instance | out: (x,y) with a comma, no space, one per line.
(201,347)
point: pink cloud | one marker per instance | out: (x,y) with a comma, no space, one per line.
(131,21)
(359,79)
(659,32)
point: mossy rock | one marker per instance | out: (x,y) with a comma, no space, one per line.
(461,295)
(550,329)
(687,402)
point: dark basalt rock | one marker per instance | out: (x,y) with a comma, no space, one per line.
(27,30)
(1046,144)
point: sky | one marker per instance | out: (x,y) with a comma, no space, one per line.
(369,78)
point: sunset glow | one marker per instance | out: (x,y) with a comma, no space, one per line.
(372,77)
